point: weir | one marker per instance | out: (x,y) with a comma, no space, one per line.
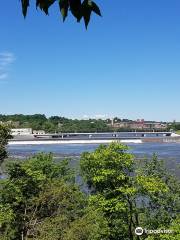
(96,138)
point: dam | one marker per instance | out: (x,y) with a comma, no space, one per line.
(104,138)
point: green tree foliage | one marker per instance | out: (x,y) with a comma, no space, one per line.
(90,125)
(107,167)
(108,172)
(175,126)
(159,198)
(39,200)
(55,123)
(4,137)
(131,196)
(26,180)
(174,227)
(92,226)
(79,9)
(71,224)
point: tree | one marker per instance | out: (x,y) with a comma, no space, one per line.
(79,9)
(4,137)
(26,181)
(130,195)
(39,200)
(108,172)
(173,235)
(69,218)
(159,198)
(55,123)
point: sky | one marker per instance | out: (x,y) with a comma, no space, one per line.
(127,63)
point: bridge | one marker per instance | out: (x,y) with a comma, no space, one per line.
(105,135)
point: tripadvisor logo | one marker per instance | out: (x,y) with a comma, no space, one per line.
(139,231)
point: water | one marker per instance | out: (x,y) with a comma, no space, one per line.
(169,152)
(161,149)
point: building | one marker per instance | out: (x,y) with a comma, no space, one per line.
(21,131)
(119,125)
(38,132)
(139,124)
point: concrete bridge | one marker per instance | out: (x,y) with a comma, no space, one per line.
(96,138)
(105,135)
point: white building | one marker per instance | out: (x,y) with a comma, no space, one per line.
(38,132)
(21,131)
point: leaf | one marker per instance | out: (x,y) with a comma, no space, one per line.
(87,17)
(64,6)
(76,9)
(88,7)
(25,5)
(86,12)
(96,9)
(44,5)
(79,9)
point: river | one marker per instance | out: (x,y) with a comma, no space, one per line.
(163,150)
(169,152)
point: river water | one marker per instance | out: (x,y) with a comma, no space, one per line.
(169,152)
(163,150)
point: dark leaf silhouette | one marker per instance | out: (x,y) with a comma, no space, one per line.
(86,11)
(76,9)
(25,5)
(96,9)
(64,6)
(44,5)
(79,8)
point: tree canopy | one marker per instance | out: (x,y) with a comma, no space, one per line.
(40,200)
(4,137)
(79,9)
(130,194)
(55,123)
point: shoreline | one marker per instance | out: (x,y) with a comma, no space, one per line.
(97,141)
(141,140)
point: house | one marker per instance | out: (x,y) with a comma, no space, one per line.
(38,132)
(21,131)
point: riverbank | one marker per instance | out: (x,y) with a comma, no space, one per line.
(97,141)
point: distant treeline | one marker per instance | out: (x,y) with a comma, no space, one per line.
(62,124)
(175,126)
(55,123)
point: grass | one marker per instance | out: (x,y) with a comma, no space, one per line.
(178,132)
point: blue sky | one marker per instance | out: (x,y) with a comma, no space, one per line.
(127,64)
